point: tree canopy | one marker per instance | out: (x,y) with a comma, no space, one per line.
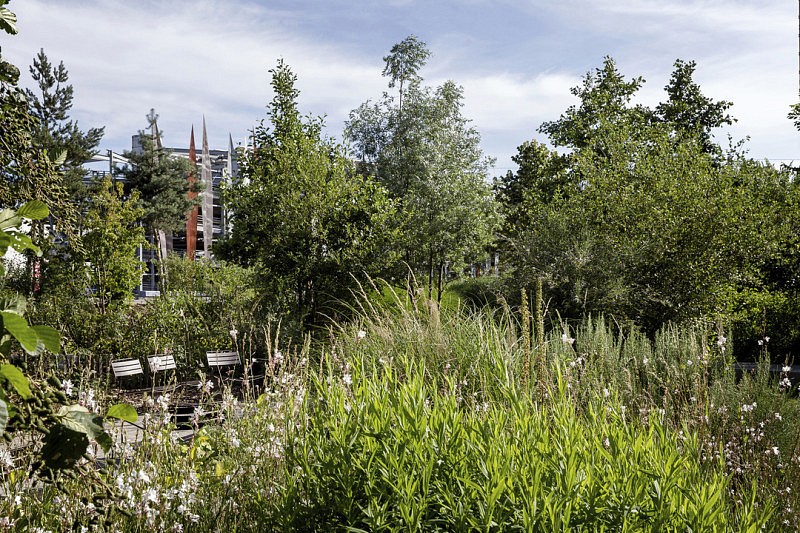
(300,214)
(428,157)
(642,214)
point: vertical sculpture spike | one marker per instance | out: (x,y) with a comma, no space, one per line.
(191,217)
(207,195)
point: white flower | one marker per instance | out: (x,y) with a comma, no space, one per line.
(278,356)
(786,368)
(606,393)
(775,451)
(721,341)
(361,334)
(233,333)
(566,339)
(67,386)
(150,495)
(746,408)
(778,416)
(760,342)
(645,361)
(347,379)
(6,459)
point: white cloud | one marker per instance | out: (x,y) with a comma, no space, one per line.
(211,57)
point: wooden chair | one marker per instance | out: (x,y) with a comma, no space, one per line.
(219,359)
(161,362)
(127,368)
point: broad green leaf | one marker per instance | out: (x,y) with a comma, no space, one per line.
(16,303)
(48,338)
(9,219)
(34,210)
(5,242)
(63,447)
(78,418)
(20,242)
(17,380)
(3,416)
(123,411)
(19,329)
(8,21)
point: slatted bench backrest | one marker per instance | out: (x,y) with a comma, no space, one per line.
(222,358)
(126,367)
(160,362)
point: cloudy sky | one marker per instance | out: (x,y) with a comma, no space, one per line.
(516,59)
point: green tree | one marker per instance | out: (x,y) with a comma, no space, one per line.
(163,189)
(641,218)
(56,132)
(300,214)
(113,236)
(690,111)
(428,157)
(27,170)
(605,102)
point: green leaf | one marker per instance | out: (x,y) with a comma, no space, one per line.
(48,338)
(8,21)
(17,380)
(3,416)
(123,411)
(63,447)
(9,219)
(34,210)
(15,303)
(78,418)
(19,329)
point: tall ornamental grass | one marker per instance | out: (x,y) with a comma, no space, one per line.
(414,418)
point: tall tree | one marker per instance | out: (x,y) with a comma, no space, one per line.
(163,189)
(640,216)
(113,234)
(605,101)
(428,156)
(57,133)
(27,170)
(300,214)
(690,111)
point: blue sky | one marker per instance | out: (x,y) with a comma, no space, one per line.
(516,59)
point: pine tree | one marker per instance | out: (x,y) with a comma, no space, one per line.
(57,133)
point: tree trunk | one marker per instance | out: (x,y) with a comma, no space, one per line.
(441,273)
(161,247)
(430,274)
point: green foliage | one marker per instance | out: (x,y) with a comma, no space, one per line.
(300,215)
(56,133)
(691,112)
(39,405)
(205,306)
(417,418)
(29,172)
(112,237)
(160,180)
(429,159)
(643,219)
